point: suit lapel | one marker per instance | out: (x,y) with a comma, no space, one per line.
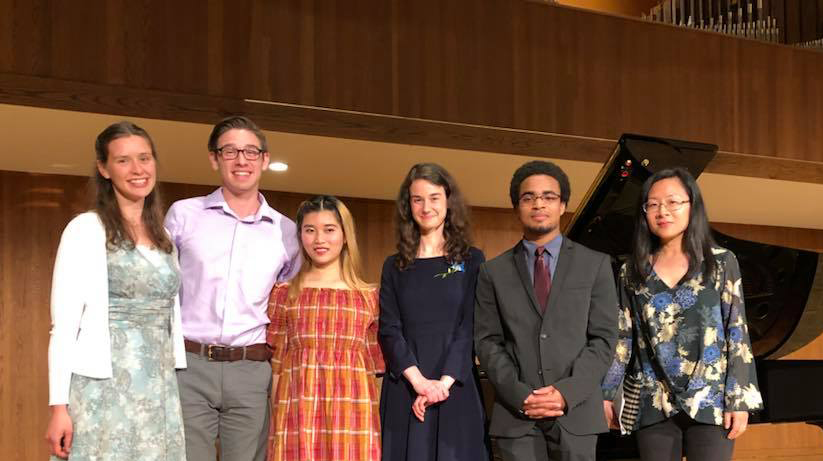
(519,255)
(561,271)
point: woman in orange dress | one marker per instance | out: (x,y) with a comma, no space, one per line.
(323,335)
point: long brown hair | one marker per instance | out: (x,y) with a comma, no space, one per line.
(351,268)
(456,228)
(105,202)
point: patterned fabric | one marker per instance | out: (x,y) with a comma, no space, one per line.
(700,359)
(325,350)
(135,414)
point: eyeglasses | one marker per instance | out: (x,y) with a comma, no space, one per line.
(529,198)
(231,152)
(670,204)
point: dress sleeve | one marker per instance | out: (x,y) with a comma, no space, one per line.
(460,356)
(741,389)
(396,350)
(374,357)
(276,335)
(623,351)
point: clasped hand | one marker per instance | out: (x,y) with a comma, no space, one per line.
(430,392)
(545,402)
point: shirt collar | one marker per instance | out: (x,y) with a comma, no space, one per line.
(553,246)
(217,200)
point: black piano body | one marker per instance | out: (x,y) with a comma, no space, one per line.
(783,287)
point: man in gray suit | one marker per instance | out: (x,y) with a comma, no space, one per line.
(546,328)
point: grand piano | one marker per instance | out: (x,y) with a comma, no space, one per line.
(783,287)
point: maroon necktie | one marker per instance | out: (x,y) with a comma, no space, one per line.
(542,279)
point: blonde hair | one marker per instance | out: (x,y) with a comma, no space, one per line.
(351,268)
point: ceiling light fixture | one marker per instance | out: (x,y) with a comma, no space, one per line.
(278,166)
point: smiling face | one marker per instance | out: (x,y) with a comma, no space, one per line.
(429,205)
(663,222)
(131,167)
(322,237)
(239,175)
(540,207)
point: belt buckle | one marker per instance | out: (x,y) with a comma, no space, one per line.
(210,352)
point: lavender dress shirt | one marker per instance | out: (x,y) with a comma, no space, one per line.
(228,267)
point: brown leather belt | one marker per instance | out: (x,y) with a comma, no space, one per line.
(256,352)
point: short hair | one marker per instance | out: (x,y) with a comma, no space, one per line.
(236,122)
(536,167)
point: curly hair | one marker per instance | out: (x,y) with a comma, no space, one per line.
(456,228)
(536,167)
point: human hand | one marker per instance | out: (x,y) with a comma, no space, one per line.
(436,392)
(737,421)
(59,432)
(545,402)
(611,417)
(419,407)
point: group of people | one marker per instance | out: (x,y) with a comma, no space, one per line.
(226,326)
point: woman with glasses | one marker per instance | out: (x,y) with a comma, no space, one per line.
(116,337)
(683,335)
(430,405)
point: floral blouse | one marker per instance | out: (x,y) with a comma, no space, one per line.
(700,358)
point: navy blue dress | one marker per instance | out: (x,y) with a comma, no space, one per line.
(427,320)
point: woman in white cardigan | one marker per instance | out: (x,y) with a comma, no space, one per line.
(116,337)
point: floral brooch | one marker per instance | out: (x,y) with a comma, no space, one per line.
(453,269)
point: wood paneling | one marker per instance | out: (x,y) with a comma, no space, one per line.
(35,208)
(499,63)
(97,98)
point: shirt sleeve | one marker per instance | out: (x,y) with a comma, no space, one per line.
(396,350)
(276,334)
(173,224)
(294,255)
(741,392)
(460,357)
(375,363)
(623,351)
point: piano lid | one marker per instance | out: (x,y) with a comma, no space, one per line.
(778,282)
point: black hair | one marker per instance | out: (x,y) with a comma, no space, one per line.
(537,167)
(697,240)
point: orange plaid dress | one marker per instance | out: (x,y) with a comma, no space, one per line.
(326,352)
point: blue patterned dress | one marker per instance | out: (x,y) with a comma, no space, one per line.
(135,414)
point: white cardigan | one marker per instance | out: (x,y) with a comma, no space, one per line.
(80,341)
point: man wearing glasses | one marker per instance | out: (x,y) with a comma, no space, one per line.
(545,328)
(233,247)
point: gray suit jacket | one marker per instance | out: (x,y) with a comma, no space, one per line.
(570,347)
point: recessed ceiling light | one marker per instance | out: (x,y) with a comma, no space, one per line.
(278,166)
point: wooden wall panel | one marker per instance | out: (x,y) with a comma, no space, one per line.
(35,208)
(501,63)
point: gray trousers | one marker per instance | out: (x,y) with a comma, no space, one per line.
(225,400)
(548,441)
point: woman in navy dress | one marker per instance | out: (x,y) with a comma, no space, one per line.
(430,403)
